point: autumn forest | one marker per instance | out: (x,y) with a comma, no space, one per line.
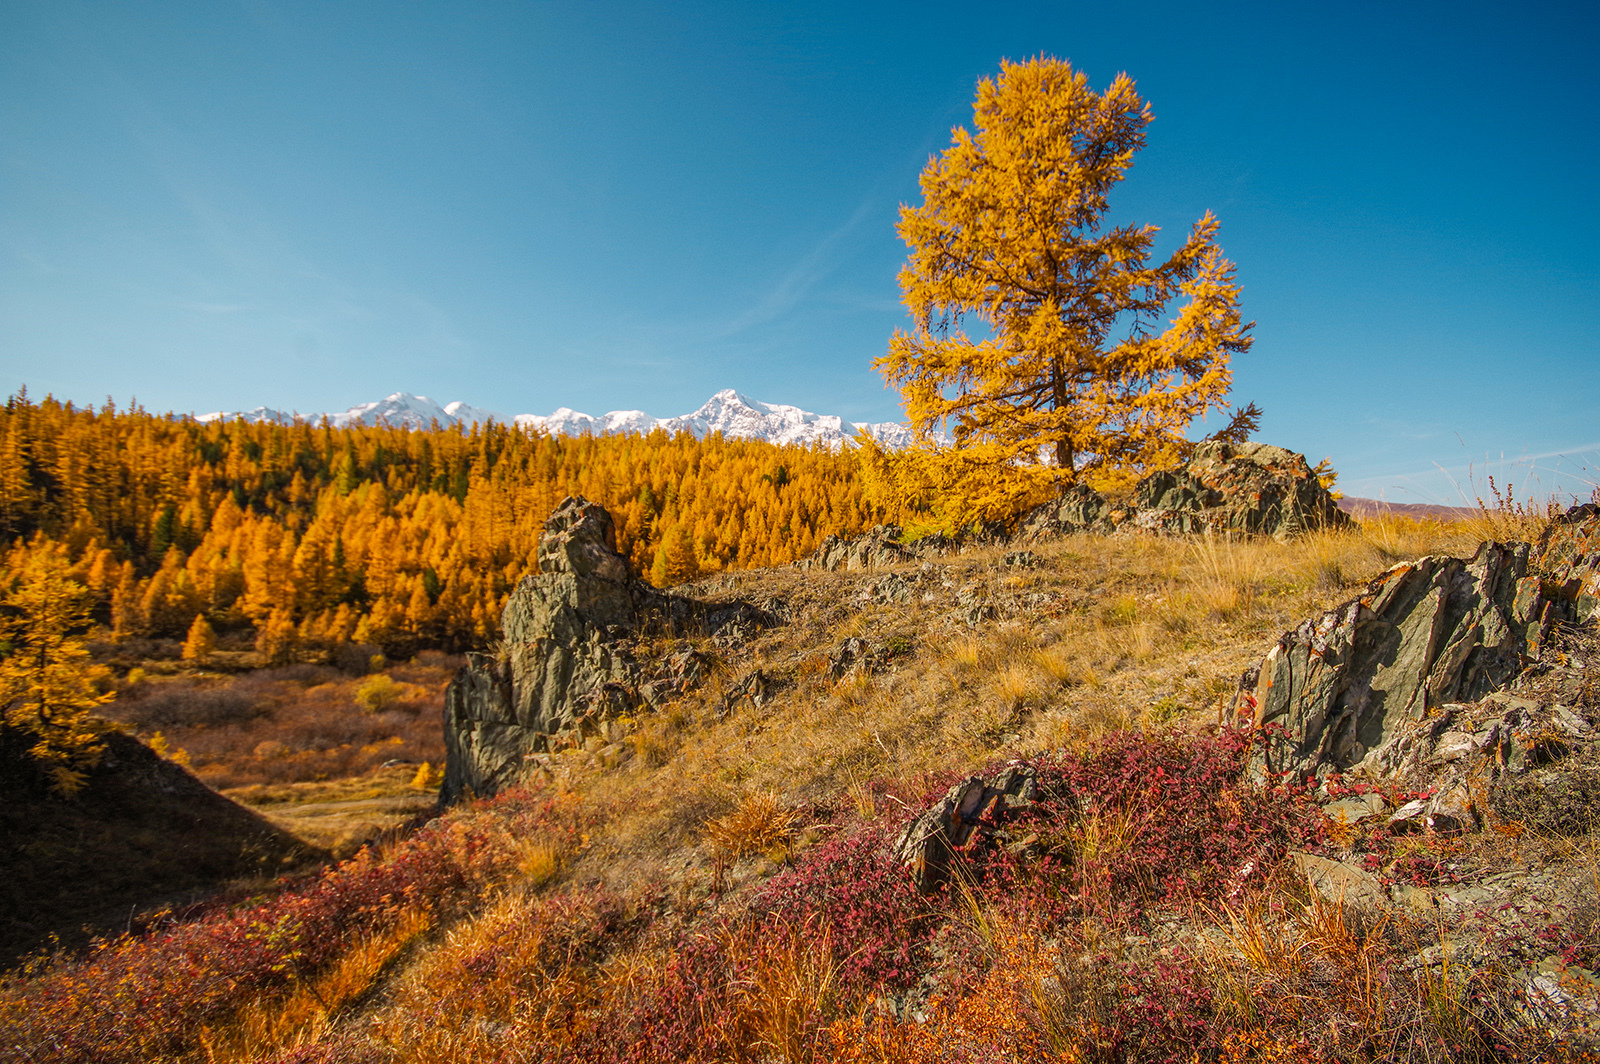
(303,537)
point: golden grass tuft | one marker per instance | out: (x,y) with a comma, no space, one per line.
(759,824)
(1019,684)
(785,994)
(539,861)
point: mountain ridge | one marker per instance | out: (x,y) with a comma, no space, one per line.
(729,412)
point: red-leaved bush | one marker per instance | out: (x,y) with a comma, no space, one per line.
(141,998)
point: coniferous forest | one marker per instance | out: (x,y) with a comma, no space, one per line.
(309,536)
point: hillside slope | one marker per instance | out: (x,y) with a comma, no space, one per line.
(716,878)
(142,834)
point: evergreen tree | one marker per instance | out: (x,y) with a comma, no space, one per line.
(201,640)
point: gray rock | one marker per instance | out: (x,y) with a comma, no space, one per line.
(1571,548)
(1356,808)
(889,589)
(565,663)
(1340,883)
(1252,488)
(929,844)
(1248,488)
(1078,508)
(1344,688)
(878,547)
(1410,817)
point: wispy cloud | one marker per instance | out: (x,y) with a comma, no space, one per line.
(1573,473)
(200,307)
(1529,461)
(802,277)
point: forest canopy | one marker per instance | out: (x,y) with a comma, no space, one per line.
(313,535)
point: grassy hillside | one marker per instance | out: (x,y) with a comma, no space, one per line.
(715,885)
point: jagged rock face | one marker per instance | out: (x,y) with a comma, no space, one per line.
(1426,634)
(565,665)
(1238,487)
(559,666)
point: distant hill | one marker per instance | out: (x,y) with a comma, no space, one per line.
(1358,508)
(143,834)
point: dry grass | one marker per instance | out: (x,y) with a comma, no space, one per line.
(308,1012)
(787,991)
(341,815)
(1105,633)
(760,823)
(1507,517)
(296,724)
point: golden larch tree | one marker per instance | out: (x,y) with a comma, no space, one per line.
(47,683)
(1070,374)
(200,642)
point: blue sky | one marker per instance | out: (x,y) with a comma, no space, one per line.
(631,205)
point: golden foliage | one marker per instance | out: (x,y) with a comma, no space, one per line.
(47,685)
(313,536)
(201,640)
(1069,375)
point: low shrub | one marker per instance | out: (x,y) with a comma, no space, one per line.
(145,997)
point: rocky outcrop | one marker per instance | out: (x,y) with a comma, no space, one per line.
(1424,635)
(1253,488)
(878,547)
(1570,552)
(566,665)
(1246,488)
(1078,508)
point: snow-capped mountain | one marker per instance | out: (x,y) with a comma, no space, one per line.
(727,412)
(734,415)
(400,409)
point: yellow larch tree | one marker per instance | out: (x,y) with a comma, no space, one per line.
(47,683)
(200,642)
(1069,374)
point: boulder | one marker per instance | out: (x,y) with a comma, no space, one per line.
(1247,488)
(565,663)
(1425,634)
(1079,508)
(876,548)
(1253,488)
